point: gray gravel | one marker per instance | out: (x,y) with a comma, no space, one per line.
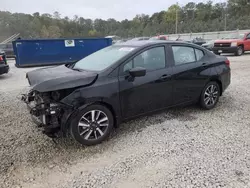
(182,147)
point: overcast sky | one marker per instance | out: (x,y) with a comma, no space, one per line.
(118,9)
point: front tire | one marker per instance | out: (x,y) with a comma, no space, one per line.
(239,51)
(210,95)
(92,125)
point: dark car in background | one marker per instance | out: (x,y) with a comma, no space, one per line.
(122,82)
(140,38)
(8,49)
(208,45)
(4,67)
(199,41)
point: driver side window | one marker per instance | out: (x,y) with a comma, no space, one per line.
(248,36)
(151,59)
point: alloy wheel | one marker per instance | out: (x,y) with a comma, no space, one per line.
(93,125)
(240,51)
(211,95)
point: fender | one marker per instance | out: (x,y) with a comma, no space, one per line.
(68,115)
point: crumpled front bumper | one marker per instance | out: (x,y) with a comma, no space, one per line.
(45,116)
(32,110)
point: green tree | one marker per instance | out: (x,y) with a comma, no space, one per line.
(192,17)
(44,32)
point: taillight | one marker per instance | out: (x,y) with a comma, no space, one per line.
(227,62)
(1,58)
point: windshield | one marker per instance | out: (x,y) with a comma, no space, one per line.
(103,58)
(234,36)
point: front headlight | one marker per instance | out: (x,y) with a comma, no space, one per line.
(234,44)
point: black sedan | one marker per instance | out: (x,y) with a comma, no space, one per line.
(4,68)
(122,82)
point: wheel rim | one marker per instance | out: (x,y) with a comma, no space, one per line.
(211,95)
(240,51)
(93,125)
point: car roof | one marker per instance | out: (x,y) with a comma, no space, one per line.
(149,43)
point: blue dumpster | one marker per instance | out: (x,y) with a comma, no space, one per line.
(31,53)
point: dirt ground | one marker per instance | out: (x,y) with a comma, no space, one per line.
(181,147)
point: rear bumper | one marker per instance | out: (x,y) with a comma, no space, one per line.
(226,80)
(4,69)
(224,49)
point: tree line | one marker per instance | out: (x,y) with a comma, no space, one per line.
(192,17)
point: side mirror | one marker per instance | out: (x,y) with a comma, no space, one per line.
(137,72)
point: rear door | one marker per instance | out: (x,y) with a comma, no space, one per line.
(187,80)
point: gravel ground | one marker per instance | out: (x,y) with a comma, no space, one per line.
(182,147)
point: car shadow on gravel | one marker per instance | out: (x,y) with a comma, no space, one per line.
(4,76)
(181,114)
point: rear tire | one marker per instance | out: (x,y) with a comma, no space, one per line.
(239,51)
(210,95)
(92,125)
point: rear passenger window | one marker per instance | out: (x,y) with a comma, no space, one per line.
(199,54)
(183,54)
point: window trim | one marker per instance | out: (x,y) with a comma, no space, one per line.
(121,66)
(196,55)
(189,46)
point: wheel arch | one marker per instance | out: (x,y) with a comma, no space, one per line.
(218,81)
(242,45)
(110,107)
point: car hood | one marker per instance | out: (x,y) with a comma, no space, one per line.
(227,40)
(59,77)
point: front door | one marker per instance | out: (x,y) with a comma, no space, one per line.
(247,43)
(151,92)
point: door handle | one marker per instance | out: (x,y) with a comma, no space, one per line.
(204,64)
(164,77)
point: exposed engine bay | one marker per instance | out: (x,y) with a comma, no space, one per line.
(47,111)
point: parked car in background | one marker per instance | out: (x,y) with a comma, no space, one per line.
(122,82)
(208,45)
(160,37)
(199,41)
(236,43)
(4,67)
(140,38)
(114,38)
(120,41)
(8,49)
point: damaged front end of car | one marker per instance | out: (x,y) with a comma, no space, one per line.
(54,97)
(48,112)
